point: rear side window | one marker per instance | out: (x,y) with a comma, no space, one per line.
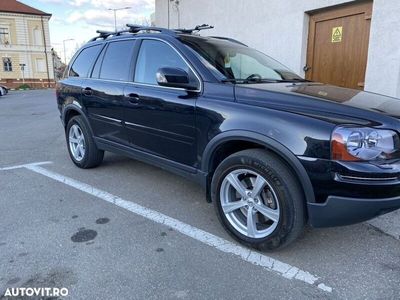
(154,55)
(97,65)
(117,61)
(85,59)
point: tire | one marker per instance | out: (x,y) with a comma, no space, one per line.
(270,196)
(81,146)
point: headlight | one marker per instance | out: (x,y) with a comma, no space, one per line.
(352,144)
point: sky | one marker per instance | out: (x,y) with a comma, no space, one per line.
(79,19)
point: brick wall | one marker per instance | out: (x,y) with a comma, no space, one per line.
(33,83)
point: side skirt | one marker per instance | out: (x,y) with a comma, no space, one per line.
(190,173)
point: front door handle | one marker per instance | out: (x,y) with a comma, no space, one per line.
(87,91)
(133,98)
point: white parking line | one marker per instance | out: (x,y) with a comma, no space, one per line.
(26,165)
(268,263)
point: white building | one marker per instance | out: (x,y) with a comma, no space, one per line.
(348,43)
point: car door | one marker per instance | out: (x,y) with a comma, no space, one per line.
(103,92)
(161,120)
(76,75)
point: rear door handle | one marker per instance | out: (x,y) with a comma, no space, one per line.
(133,98)
(87,91)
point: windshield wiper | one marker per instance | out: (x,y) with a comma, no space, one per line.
(293,80)
(263,80)
(233,80)
(251,80)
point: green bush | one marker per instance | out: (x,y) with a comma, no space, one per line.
(24,87)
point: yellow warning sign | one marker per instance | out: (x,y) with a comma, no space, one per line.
(337,33)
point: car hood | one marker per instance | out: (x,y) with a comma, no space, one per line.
(318,97)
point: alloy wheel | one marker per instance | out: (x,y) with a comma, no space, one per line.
(77,142)
(249,203)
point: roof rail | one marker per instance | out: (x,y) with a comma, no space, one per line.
(137,28)
(197,28)
(228,39)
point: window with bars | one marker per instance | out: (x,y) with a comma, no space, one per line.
(4,36)
(7,64)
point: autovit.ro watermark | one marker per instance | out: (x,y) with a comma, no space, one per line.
(36,292)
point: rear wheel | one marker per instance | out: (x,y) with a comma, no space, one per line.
(81,146)
(258,200)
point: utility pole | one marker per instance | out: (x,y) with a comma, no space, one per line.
(45,52)
(168,14)
(53,53)
(65,55)
(115,14)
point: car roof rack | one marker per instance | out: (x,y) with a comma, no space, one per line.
(103,34)
(137,28)
(197,28)
(133,28)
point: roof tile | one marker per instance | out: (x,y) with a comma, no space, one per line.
(14,6)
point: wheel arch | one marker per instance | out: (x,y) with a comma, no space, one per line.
(255,140)
(71,110)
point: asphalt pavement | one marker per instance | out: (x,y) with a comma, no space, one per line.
(127,230)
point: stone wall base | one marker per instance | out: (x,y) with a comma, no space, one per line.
(33,83)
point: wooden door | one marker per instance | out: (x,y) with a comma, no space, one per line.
(338,45)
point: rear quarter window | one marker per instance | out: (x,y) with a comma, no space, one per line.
(84,61)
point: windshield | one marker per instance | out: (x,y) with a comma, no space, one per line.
(231,61)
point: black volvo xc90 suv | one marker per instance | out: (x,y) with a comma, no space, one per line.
(272,150)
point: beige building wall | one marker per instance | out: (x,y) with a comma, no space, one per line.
(26,46)
(15,59)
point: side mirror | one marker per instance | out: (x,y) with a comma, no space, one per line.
(175,77)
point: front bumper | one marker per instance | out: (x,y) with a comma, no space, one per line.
(338,211)
(351,192)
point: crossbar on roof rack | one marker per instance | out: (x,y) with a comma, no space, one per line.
(103,34)
(197,28)
(137,28)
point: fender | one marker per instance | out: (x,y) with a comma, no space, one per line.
(269,143)
(76,106)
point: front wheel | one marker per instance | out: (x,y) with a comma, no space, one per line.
(81,146)
(258,199)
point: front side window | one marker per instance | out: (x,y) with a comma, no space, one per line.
(7,64)
(117,61)
(4,36)
(233,61)
(84,61)
(154,55)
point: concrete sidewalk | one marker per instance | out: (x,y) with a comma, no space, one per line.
(389,224)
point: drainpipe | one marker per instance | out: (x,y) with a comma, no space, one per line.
(45,52)
(168,13)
